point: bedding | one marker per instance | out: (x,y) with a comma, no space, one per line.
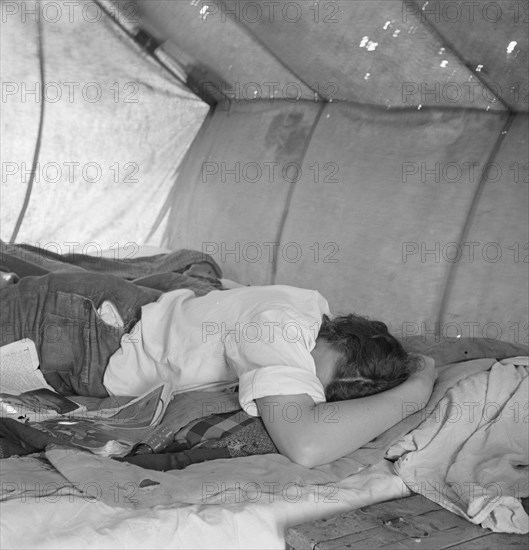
(162,272)
(166,446)
(226,435)
(26,260)
(236,503)
(471,453)
(79,499)
(95,501)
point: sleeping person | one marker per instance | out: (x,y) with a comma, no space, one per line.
(291,357)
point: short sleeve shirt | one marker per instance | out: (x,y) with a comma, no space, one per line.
(261,335)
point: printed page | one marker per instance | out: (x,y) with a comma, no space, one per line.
(19,370)
(145,411)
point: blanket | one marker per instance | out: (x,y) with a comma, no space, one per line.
(77,498)
(22,257)
(471,453)
(162,272)
(226,435)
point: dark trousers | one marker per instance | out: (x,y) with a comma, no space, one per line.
(58,312)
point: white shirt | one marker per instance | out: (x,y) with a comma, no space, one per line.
(261,335)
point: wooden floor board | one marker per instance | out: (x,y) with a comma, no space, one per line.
(495,541)
(372,538)
(409,523)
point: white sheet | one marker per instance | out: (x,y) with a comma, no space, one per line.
(471,454)
(244,513)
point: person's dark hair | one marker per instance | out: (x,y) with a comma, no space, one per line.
(372,360)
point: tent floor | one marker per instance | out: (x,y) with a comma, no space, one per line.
(413,522)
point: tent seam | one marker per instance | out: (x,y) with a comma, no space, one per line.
(36,153)
(448,44)
(291,189)
(450,278)
(280,61)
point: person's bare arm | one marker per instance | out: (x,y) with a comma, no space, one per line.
(311,434)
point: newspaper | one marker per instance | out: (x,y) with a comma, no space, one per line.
(24,393)
(19,368)
(103,431)
(106,426)
(109,434)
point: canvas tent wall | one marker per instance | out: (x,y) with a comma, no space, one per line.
(114,127)
(404,142)
(376,151)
